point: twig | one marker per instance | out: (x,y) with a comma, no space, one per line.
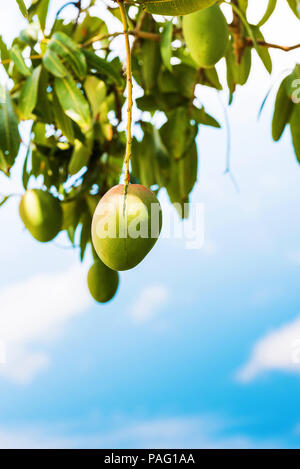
(249,42)
(130,99)
(239,41)
(141,34)
(32,57)
(75,4)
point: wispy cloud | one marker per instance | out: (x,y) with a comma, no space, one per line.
(32,313)
(278,350)
(172,432)
(150,300)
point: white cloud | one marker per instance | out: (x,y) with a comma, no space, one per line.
(33,312)
(147,304)
(172,432)
(278,350)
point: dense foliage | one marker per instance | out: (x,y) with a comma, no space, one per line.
(66,80)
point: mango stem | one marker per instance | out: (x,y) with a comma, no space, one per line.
(130,99)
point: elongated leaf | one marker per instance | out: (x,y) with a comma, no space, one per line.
(282,112)
(263,52)
(295,127)
(165,47)
(43,109)
(96,93)
(151,63)
(4,53)
(175,7)
(29,93)
(63,122)
(67,49)
(102,66)
(42,10)
(9,132)
(22,7)
(183,178)
(295,7)
(25,173)
(4,199)
(270,8)
(177,133)
(201,117)
(53,64)
(4,167)
(85,235)
(73,102)
(18,59)
(80,157)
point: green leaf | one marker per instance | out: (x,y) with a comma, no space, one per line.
(42,11)
(73,102)
(177,133)
(71,214)
(282,112)
(67,49)
(29,93)
(4,53)
(53,64)
(150,160)
(29,35)
(22,7)
(174,7)
(25,173)
(18,59)
(165,47)
(63,122)
(201,117)
(102,66)
(4,167)
(263,52)
(43,109)
(151,63)
(90,27)
(295,129)
(85,234)
(4,199)
(270,8)
(9,132)
(243,4)
(183,178)
(237,74)
(295,7)
(246,24)
(96,93)
(80,157)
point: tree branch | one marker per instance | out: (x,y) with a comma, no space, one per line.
(130,99)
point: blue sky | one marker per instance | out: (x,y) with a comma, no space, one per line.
(199,348)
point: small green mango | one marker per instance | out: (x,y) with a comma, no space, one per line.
(42,214)
(175,7)
(102,282)
(124,234)
(206,35)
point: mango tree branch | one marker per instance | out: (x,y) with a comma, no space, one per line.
(249,42)
(130,99)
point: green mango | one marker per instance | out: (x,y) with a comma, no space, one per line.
(102,282)
(206,34)
(175,7)
(124,230)
(42,214)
